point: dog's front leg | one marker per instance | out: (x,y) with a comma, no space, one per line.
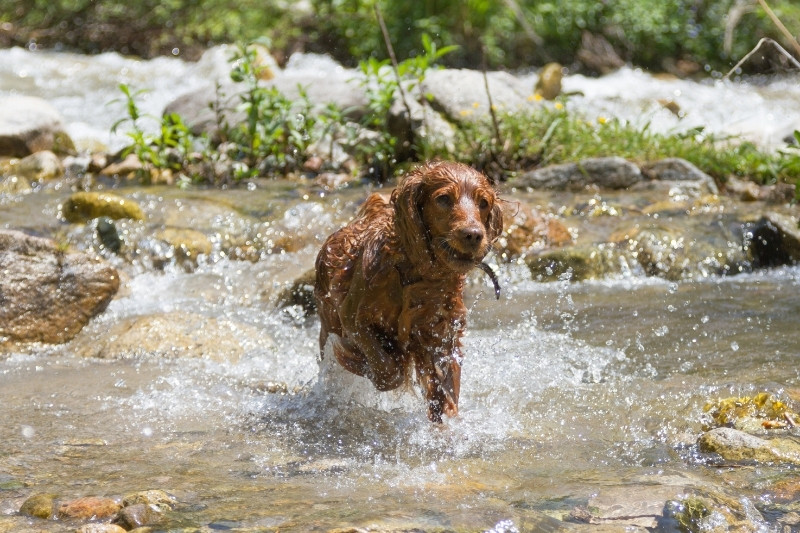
(367,328)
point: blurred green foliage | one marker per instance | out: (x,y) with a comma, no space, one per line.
(514,33)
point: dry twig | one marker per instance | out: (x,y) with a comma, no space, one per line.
(764,40)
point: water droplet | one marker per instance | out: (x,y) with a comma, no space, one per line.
(735,346)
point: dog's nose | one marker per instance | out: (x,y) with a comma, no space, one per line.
(472,236)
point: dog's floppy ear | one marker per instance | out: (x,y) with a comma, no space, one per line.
(409,226)
(494,226)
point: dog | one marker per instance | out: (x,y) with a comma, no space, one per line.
(389,285)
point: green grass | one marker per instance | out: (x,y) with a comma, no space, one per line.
(554,135)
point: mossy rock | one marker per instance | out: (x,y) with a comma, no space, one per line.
(578,263)
(85,206)
(749,413)
(548,85)
(188,243)
(39,505)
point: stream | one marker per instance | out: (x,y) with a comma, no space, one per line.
(571,392)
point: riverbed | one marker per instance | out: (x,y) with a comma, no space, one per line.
(573,393)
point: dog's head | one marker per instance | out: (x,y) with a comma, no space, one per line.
(447,213)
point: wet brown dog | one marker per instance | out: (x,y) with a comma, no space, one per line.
(389,286)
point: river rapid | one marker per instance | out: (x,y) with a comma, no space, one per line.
(573,394)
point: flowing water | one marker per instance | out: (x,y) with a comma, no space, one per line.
(569,390)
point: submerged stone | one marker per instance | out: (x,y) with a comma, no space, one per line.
(156,497)
(738,446)
(188,243)
(673,253)
(39,506)
(88,507)
(100,528)
(84,206)
(575,263)
(172,334)
(138,515)
(635,506)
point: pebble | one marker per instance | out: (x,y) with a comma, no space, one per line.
(88,507)
(39,506)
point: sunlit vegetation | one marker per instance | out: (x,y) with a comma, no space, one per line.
(554,134)
(275,135)
(657,34)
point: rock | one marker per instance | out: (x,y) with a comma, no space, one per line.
(637,506)
(126,168)
(603,172)
(28,125)
(525,228)
(108,234)
(39,506)
(188,243)
(575,263)
(597,54)
(470,102)
(89,507)
(548,84)
(14,185)
(48,295)
(774,240)
(40,166)
(156,497)
(323,86)
(100,528)
(173,334)
(301,293)
(138,515)
(711,511)
(673,253)
(425,124)
(677,169)
(744,190)
(738,446)
(779,193)
(84,206)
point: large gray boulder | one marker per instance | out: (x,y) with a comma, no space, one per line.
(46,294)
(603,172)
(203,109)
(460,94)
(28,125)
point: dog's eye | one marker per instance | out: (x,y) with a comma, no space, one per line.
(483,203)
(444,200)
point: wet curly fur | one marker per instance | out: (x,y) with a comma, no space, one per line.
(389,285)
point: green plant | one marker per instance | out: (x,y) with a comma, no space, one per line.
(384,83)
(168,149)
(277,130)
